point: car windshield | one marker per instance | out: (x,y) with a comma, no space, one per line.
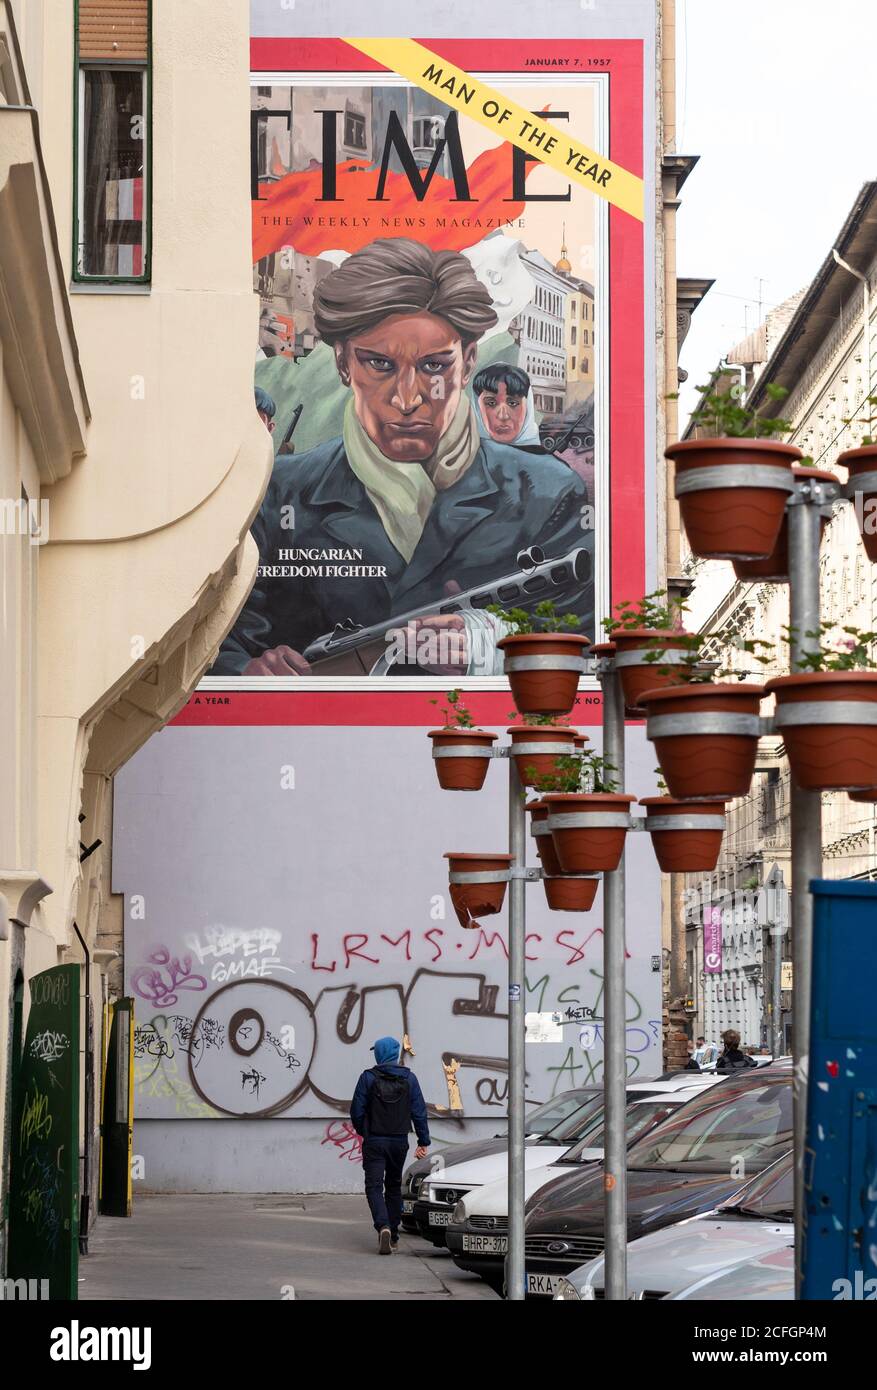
(752,1124)
(770,1197)
(640,1117)
(554,1112)
(574,1125)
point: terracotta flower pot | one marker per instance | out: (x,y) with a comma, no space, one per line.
(828,723)
(545,850)
(477,884)
(732,494)
(462,757)
(861,490)
(706,737)
(571,892)
(588,829)
(544,669)
(686,835)
(536,748)
(775,567)
(864,794)
(636,673)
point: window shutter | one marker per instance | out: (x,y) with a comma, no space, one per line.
(114,30)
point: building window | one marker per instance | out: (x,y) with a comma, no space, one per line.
(585,367)
(112,175)
(427,131)
(573,365)
(573,334)
(354,129)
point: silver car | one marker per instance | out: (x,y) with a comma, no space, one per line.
(756,1223)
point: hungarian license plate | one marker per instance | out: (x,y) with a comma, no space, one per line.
(439,1218)
(543,1285)
(407,1208)
(485,1245)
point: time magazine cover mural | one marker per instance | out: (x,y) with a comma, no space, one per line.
(429,364)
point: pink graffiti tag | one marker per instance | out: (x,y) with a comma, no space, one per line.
(151,984)
(342,1134)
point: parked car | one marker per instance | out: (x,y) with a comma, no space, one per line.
(478,1234)
(759,1221)
(685,1167)
(768,1279)
(569,1105)
(441,1190)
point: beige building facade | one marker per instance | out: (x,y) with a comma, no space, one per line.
(821,350)
(131,457)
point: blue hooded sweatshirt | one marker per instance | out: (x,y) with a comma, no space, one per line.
(387,1052)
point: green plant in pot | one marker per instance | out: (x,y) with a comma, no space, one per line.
(733,486)
(705,731)
(827,710)
(544,657)
(537,741)
(587,817)
(461,752)
(644,633)
(686,835)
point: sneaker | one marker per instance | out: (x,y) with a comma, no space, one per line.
(394,1242)
(384,1241)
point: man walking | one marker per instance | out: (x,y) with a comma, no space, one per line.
(386,1102)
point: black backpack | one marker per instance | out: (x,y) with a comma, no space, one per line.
(389,1103)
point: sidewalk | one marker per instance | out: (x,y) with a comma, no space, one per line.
(260,1247)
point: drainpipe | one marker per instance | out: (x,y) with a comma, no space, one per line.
(736,367)
(866,313)
(85,1197)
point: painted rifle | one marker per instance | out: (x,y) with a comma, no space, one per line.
(352,649)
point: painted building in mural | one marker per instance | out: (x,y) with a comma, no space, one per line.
(302,756)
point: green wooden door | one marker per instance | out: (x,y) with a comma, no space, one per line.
(44,1152)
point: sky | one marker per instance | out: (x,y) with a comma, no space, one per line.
(776,96)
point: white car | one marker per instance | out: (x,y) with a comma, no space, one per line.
(462,1177)
(480,1219)
(441,1191)
(756,1223)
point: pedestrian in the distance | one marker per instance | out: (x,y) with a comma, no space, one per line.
(386,1104)
(732,1059)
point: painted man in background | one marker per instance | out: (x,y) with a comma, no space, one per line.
(429,506)
(266,409)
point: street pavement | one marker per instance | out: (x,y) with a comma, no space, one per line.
(184,1246)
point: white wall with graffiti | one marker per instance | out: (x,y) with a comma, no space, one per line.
(285,902)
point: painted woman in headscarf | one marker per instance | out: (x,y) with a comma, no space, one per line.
(411,504)
(504,404)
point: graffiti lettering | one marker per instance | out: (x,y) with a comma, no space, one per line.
(490,1091)
(159,986)
(50,989)
(36,1122)
(48,1046)
(345,1138)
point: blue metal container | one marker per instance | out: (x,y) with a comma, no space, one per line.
(840,1161)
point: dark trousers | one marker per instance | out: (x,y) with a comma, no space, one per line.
(383,1160)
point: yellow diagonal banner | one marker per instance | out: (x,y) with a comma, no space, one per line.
(514,123)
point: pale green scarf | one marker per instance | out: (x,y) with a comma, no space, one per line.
(403,493)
